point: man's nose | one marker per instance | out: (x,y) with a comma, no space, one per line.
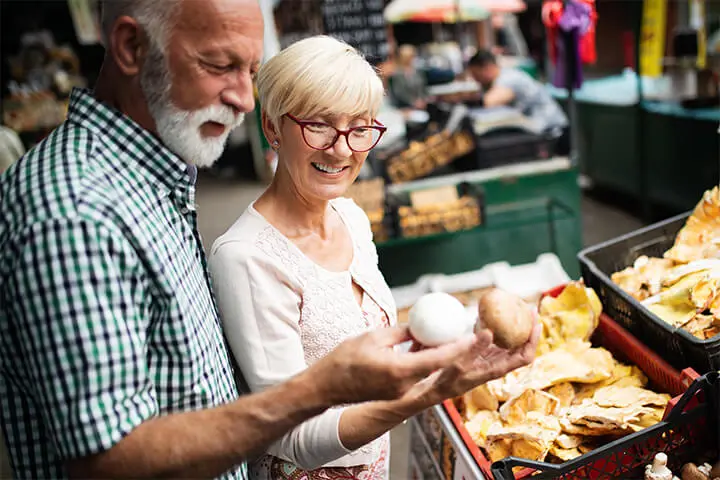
(240,95)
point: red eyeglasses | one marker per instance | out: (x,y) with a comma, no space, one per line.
(321,136)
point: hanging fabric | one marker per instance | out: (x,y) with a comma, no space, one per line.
(583,15)
(588,49)
(571,32)
(565,50)
(552,11)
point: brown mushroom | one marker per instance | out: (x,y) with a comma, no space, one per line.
(507,316)
(715,470)
(690,471)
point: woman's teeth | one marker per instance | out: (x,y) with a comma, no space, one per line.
(327,168)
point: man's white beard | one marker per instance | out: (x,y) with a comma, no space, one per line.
(179,129)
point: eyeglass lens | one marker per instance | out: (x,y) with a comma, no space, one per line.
(323,136)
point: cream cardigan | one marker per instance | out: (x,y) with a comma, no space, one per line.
(281,312)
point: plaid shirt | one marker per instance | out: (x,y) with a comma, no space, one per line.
(106,312)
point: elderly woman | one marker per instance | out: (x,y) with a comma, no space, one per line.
(297,273)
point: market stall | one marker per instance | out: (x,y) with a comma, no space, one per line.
(625,377)
(668,165)
(483,189)
(641,135)
(681,147)
(576,410)
(529,209)
(470,186)
(44,62)
(608,112)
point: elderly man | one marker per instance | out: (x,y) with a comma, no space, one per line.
(112,359)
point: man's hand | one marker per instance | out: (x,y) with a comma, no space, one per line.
(485,361)
(369,367)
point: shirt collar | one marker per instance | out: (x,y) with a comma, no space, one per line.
(155,159)
(192,173)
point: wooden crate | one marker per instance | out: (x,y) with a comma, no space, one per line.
(461,214)
(423,157)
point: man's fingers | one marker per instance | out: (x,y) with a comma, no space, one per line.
(526,353)
(431,359)
(484,338)
(531,345)
(391,336)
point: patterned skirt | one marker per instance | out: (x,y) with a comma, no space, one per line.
(269,467)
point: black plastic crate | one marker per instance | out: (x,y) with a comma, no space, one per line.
(509,146)
(689,433)
(598,263)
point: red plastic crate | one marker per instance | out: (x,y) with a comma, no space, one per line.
(625,348)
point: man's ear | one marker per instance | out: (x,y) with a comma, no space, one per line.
(128,45)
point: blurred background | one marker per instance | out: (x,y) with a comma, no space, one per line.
(636,79)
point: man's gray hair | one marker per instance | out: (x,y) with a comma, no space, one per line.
(154,16)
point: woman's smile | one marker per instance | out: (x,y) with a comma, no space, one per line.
(329,170)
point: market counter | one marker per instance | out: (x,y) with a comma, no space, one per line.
(531,208)
(681,147)
(436,449)
(654,151)
(608,113)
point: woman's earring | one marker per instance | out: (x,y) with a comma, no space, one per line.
(275,145)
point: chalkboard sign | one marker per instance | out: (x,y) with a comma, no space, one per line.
(359,23)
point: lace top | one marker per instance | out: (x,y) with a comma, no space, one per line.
(282,312)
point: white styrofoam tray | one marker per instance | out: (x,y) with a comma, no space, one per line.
(528,281)
(406,295)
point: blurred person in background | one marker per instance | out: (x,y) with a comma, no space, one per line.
(407,84)
(514,88)
(113,358)
(298,273)
(11,148)
(500,46)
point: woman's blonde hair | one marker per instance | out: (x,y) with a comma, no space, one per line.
(319,76)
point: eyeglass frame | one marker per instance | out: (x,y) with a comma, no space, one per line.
(305,123)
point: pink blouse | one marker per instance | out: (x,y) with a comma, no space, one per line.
(281,312)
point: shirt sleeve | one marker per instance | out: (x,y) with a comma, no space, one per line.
(513,80)
(260,310)
(75,306)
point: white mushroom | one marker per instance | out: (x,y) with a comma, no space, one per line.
(438,318)
(658,470)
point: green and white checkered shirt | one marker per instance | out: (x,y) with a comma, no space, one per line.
(106,313)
